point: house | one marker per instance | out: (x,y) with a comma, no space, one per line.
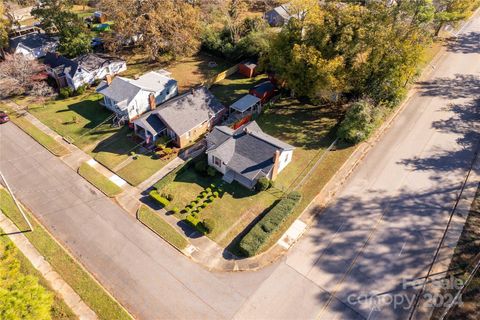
(130,98)
(247,69)
(246,154)
(278,16)
(82,70)
(183,119)
(33,45)
(264,91)
(19,14)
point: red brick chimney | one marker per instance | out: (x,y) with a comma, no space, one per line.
(151,101)
(276,164)
(108,78)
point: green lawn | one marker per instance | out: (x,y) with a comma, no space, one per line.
(99,180)
(93,294)
(115,149)
(59,310)
(142,168)
(45,140)
(234,87)
(75,118)
(153,220)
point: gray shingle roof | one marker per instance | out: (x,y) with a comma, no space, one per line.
(189,110)
(248,150)
(120,90)
(33,40)
(151,122)
(95,61)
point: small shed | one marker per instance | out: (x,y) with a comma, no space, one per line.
(264,91)
(247,104)
(247,69)
(99,17)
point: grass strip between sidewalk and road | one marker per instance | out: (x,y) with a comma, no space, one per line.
(41,137)
(91,292)
(158,225)
(99,180)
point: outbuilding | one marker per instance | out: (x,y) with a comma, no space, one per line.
(264,91)
(247,69)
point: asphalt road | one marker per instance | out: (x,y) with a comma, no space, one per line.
(383,228)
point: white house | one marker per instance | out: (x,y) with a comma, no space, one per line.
(130,98)
(82,70)
(247,154)
(33,45)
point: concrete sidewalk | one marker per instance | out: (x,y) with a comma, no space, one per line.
(69,296)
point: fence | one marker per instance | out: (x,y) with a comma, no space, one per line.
(220,76)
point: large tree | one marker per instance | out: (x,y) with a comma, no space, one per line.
(159,27)
(57,15)
(21,297)
(4,26)
(451,11)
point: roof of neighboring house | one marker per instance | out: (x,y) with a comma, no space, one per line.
(244,103)
(89,62)
(248,150)
(189,110)
(151,122)
(282,11)
(33,40)
(126,89)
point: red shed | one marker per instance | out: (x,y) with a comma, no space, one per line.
(247,69)
(264,91)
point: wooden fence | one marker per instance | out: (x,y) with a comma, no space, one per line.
(220,76)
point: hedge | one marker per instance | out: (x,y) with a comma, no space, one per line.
(254,240)
(157,197)
(162,183)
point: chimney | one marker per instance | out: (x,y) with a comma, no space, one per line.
(276,164)
(151,101)
(109,79)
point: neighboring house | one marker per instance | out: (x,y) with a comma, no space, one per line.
(183,119)
(21,14)
(246,154)
(130,98)
(33,45)
(279,16)
(82,70)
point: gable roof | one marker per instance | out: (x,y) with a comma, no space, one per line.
(282,11)
(95,61)
(151,122)
(126,89)
(248,150)
(90,62)
(185,112)
(33,40)
(60,63)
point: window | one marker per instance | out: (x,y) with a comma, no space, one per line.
(217,162)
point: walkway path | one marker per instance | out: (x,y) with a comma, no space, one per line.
(69,296)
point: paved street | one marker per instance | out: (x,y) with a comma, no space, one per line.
(384,226)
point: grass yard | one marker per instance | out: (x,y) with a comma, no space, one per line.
(189,72)
(153,221)
(115,149)
(92,293)
(99,180)
(45,140)
(142,168)
(75,117)
(234,87)
(59,310)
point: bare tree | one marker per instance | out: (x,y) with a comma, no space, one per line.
(20,75)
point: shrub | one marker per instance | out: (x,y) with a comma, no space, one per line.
(201,166)
(209,225)
(360,120)
(211,172)
(211,198)
(167,196)
(203,205)
(193,220)
(175,210)
(212,186)
(65,92)
(204,194)
(208,190)
(198,199)
(215,194)
(157,197)
(193,204)
(81,90)
(262,184)
(254,240)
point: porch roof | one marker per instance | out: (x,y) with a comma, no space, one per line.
(151,123)
(244,103)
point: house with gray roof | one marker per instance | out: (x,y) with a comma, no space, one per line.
(183,119)
(130,98)
(33,45)
(82,70)
(279,16)
(247,154)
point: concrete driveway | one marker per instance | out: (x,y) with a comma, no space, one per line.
(383,228)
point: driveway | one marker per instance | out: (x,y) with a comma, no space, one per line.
(383,228)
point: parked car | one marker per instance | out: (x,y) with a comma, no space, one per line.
(4,117)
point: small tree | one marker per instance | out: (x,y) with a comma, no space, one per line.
(262,184)
(359,122)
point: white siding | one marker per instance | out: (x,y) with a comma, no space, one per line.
(285,159)
(212,164)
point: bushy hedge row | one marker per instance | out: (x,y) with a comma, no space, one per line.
(254,240)
(157,197)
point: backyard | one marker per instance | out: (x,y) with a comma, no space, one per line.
(234,87)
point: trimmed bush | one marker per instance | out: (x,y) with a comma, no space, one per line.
(204,194)
(81,90)
(194,221)
(193,204)
(211,198)
(215,194)
(211,172)
(209,225)
(212,186)
(256,238)
(167,196)
(262,184)
(65,92)
(157,197)
(175,210)
(203,205)
(208,190)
